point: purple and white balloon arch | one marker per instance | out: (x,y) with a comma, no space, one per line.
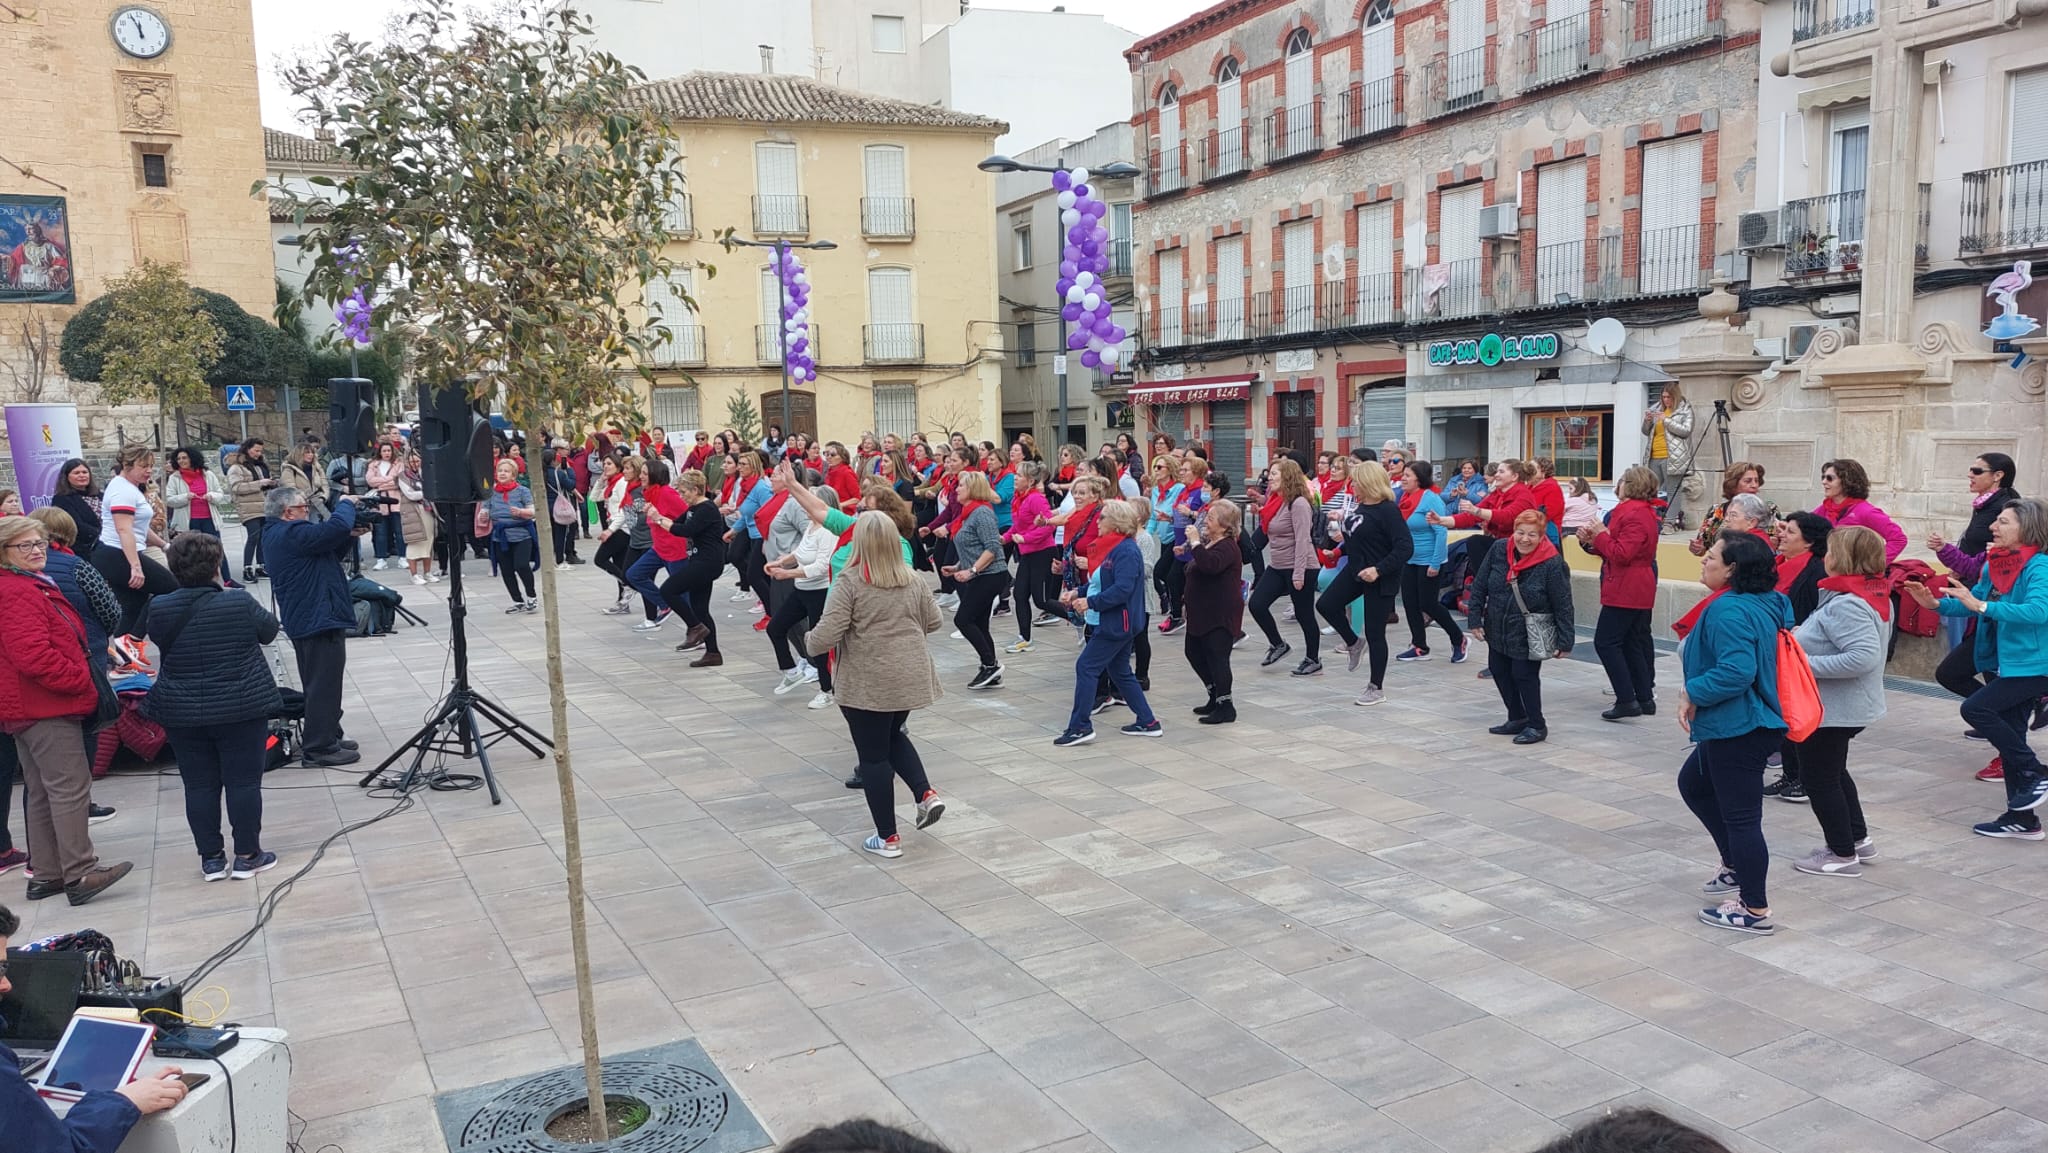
(1084,259)
(796,318)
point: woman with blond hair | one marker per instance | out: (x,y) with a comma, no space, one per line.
(1845,641)
(1375,544)
(419,527)
(1740,477)
(877,616)
(128,527)
(1627,547)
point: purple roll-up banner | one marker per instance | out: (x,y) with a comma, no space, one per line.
(42,437)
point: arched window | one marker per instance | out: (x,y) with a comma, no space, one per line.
(1229,105)
(1168,170)
(1301,70)
(1379,12)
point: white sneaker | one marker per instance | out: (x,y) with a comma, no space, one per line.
(821,701)
(790,680)
(1022,646)
(379,566)
(433,578)
(810,672)
(647,626)
(742,595)
(564,566)
(418,579)
(957,636)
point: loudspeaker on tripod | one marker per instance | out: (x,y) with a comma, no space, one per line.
(454,445)
(351,416)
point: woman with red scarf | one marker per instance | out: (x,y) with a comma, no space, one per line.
(1845,640)
(1510,497)
(693,518)
(1626,544)
(1332,475)
(1287,522)
(841,475)
(195,494)
(1519,577)
(2010,607)
(1845,499)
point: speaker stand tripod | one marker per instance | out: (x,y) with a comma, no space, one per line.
(1674,516)
(466,722)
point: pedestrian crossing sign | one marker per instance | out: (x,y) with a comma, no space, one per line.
(241,398)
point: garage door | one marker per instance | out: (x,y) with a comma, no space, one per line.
(1228,449)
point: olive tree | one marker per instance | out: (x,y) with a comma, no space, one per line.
(504,207)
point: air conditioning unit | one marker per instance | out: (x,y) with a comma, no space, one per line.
(1500,221)
(1799,337)
(1758,230)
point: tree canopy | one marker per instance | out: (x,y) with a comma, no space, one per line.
(252,351)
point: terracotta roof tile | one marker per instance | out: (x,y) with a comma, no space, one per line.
(760,98)
(291,148)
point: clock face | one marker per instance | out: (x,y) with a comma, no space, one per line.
(141,33)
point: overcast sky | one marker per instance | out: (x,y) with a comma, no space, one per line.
(283,27)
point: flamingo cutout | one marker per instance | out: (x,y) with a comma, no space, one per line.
(2010,284)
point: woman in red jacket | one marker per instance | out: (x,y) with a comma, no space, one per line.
(1549,495)
(840,474)
(1510,497)
(46,692)
(1627,548)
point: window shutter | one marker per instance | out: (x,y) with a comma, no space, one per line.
(1668,260)
(1229,295)
(1228,447)
(1230,105)
(1558,11)
(1169,124)
(889,296)
(1298,274)
(1172,296)
(1378,52)
(775,169)
(885,170)
(1301,74)
(1383,416)
(1560,231)
(771,297)
(1376,264)
(2026,140)
(1458,224)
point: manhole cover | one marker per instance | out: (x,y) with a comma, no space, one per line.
(691,1108)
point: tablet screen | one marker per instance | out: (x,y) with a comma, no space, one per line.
(96,1055)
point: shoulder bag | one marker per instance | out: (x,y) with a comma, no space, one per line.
(1542,627)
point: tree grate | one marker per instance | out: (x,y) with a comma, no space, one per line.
(691,1108)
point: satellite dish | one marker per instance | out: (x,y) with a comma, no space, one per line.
(1605,336)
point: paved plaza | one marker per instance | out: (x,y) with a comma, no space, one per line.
(1323,928)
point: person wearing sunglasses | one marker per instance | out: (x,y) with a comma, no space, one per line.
(1845,500)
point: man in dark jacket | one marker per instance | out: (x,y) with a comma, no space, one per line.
(98,1123)
(305,562)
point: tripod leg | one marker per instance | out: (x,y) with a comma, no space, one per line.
(421,740)
(512,726)
(483,756)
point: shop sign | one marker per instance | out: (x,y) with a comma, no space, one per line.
(1493,349)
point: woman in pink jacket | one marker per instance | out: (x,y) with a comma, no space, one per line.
(1845,499)
(1037,588)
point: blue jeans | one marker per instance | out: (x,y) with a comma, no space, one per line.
(207,528)
(641,575)
(388,538)
(1114,657)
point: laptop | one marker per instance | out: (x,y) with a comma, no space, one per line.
(46,985)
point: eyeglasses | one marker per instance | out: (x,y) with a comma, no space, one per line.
(1975,471)
(1827,476)
(31,546)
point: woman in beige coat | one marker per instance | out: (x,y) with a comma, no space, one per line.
(877,616)
(417,521)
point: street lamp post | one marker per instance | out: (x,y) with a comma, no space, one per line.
(781,249)
(1114,170)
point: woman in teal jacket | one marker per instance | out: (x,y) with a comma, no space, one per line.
(2010,603)
(1729,654)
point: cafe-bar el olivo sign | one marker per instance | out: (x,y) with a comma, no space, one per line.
(1493,349)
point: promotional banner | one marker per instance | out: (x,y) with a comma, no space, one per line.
(42,437)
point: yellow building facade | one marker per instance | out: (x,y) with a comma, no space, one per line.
(902,310)
(129,131)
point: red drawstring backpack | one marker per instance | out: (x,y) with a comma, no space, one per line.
(1798,695)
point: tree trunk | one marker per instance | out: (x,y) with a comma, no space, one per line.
(565,784)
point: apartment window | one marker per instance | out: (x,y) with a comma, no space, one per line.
(2025,142)
(1560,232)
(889,34)
(1465,48)
(156,170)
(1167,175)
(1580,440)
(1459,251)
(1229,107)
(675,410)
(1298,275)
(1849,168)
(779,205)
(1378,41)
(1020,247)
(892,332)
(1301,83)
(1228,308)
(1027,337)
(887,209)
(1376,264)
(1668,259)
(1172,292)
(895,409)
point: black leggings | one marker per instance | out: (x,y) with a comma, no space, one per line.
(611,554)
(156,581)
(1169,580)
(1419,601)
(687,593)
(977,606)
(806,606)
(1821,764)
(1958,671)
(1519,681)
(885,753)
(1622,641)
(1035,588)
(1274,583)
(1378,598)
(252,541)
(1209,656)
(515,567)
(740,552)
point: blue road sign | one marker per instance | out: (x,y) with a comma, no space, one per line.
(241,398)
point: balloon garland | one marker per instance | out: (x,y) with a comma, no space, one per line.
(796,318)
(1085,301)
(354,310)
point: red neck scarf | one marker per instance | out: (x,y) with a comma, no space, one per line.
(1519,563)
(1269,510)
(1101,548)
(505,487)
(1789,568)
(1081,532)
(1835,510)
(768,510)
(1683,626)
(1876,591)
(2004,565)
(1409,500)
(1330,485)
(1066,474)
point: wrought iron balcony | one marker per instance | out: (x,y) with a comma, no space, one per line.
(1456,82)
(768,344)
(1926,223)
(1654,27)
(1228,152)
(893,343)
(1559,51)
(1824,235)
(1449,289)
(1364,300)
(1287,312)
(782,215)
(2005,209)
(1166,170)
(1672,262)
(1812,19)
(1293,131)
(1370,108)
(1119,257)
(1564,275)
(1166,329)
(679,215)
(684,347)
(888,217)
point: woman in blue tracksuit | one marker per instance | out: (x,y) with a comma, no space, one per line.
(1729,654)
(1114,607)
(2010,604)
(1419,577)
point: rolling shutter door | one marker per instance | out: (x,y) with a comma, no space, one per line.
(1669,259)
(1382,416)
(1227,449)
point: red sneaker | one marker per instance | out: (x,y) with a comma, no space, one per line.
(1995,771)
(761,626)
